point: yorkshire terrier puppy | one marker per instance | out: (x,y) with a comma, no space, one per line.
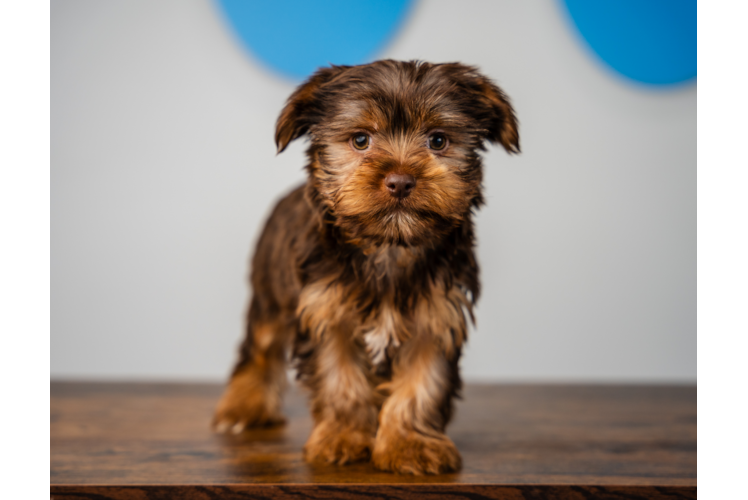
(368,269)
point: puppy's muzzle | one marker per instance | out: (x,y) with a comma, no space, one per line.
(400,185)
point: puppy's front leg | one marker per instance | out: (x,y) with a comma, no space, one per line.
(411,438)
(333,364)
(343,403)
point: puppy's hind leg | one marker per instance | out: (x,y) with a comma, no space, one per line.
(253,396)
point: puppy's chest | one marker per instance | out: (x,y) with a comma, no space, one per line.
(383,334)
(385,329)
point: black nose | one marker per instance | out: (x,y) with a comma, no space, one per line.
(400,185)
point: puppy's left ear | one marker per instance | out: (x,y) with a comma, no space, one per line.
(502,123)
(302,109)
(487,103)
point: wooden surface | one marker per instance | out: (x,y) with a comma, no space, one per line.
(517,441)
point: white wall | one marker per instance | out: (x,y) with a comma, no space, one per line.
(164,167)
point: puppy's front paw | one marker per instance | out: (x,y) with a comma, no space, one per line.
(416,454)
(331,444)
(248,402)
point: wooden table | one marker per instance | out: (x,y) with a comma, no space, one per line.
(152,441)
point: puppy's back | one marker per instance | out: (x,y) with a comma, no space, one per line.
(274,276)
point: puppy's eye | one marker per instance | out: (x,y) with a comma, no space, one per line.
(360,141)
(437,141)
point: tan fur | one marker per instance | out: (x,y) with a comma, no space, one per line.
(442,315)
(320,308)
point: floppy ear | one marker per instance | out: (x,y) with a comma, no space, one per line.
(299,112)
(502,125)
(488,104)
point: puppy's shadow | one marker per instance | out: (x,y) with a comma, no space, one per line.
(266,455)
(258,436)
(273,455)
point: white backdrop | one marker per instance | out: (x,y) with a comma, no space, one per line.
(163,168)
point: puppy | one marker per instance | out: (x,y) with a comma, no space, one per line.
(368,269)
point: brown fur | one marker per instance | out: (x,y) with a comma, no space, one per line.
(373,290)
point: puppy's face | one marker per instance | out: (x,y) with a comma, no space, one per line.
(394,152)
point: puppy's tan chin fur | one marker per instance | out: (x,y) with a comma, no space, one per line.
(400,227)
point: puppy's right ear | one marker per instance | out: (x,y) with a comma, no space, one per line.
(301,108)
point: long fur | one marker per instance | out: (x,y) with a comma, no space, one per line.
(373,292)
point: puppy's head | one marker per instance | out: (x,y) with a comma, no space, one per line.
(394,154)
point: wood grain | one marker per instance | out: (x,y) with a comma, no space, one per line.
(376,491)
(518,441)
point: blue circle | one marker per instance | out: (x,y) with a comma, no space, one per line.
(295,37)
(650,41)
